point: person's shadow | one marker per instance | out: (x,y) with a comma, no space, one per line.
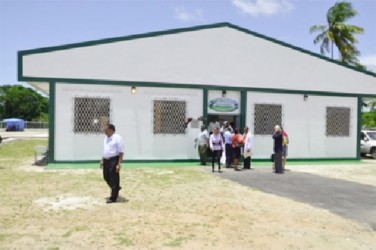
(122,199)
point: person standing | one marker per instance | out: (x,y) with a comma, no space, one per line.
(113,152)
(247,141)
(225,127)
(285,143)
(212,125)
(216,146)
(237,143)
(202,142)
(227,136)
(277,136)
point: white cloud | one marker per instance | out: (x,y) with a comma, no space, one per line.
(183,15)
(369,61)
(263,7)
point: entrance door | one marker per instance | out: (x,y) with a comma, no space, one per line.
(218,120)
(223,106)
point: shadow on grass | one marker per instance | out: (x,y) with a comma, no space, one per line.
(120,199)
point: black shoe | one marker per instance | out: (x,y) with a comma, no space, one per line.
(219,171)
(110,201)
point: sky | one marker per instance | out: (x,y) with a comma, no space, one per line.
(30,24)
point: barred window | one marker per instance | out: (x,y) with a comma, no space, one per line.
(266,117)
(91,115)
(169,117)
(337,121)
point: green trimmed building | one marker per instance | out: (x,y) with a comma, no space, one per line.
(148,85)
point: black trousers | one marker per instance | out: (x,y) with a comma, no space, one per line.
(247,163)
(217,154)
(278,162)
(229,154)
(111,177)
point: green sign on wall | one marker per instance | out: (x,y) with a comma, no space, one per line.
(223,104)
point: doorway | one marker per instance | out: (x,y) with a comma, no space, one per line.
(219,119)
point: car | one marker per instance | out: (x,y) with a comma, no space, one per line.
(368,143)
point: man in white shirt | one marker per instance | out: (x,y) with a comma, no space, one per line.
(225,127)
(203,141)
(212,124)
(111,161)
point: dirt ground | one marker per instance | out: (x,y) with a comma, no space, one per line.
(167,208)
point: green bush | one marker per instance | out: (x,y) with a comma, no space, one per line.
(369,119)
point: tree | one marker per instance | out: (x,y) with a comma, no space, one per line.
(369,115)
(20,102)
(371,103)
(369,119)
(337,33)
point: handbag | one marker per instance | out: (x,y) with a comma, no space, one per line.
(272,157)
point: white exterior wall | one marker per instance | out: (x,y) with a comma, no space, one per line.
(132,116)
(305,123)
(218,56)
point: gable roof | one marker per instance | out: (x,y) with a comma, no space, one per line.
(192,37)
(180,30)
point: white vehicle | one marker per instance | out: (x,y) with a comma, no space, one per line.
(368,143)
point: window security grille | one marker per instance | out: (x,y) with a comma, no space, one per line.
(337,121)
(266,117)
(169,117)
(91,115)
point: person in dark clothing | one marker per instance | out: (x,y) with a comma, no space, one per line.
(277,137)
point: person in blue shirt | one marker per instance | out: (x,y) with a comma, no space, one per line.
(227,136)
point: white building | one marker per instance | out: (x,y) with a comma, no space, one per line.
(218,71)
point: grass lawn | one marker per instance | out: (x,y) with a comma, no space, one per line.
(159,208)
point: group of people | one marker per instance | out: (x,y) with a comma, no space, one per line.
(225,139)
(228,140)
(234,145)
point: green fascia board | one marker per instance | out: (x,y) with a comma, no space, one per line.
(51,123)
(174,31)
(193,86)
(243,109)
(126,161)
(173,164)
(359,127)
(344,159)
(75,165)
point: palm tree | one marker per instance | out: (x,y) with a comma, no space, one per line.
(370,102)
(337,33)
